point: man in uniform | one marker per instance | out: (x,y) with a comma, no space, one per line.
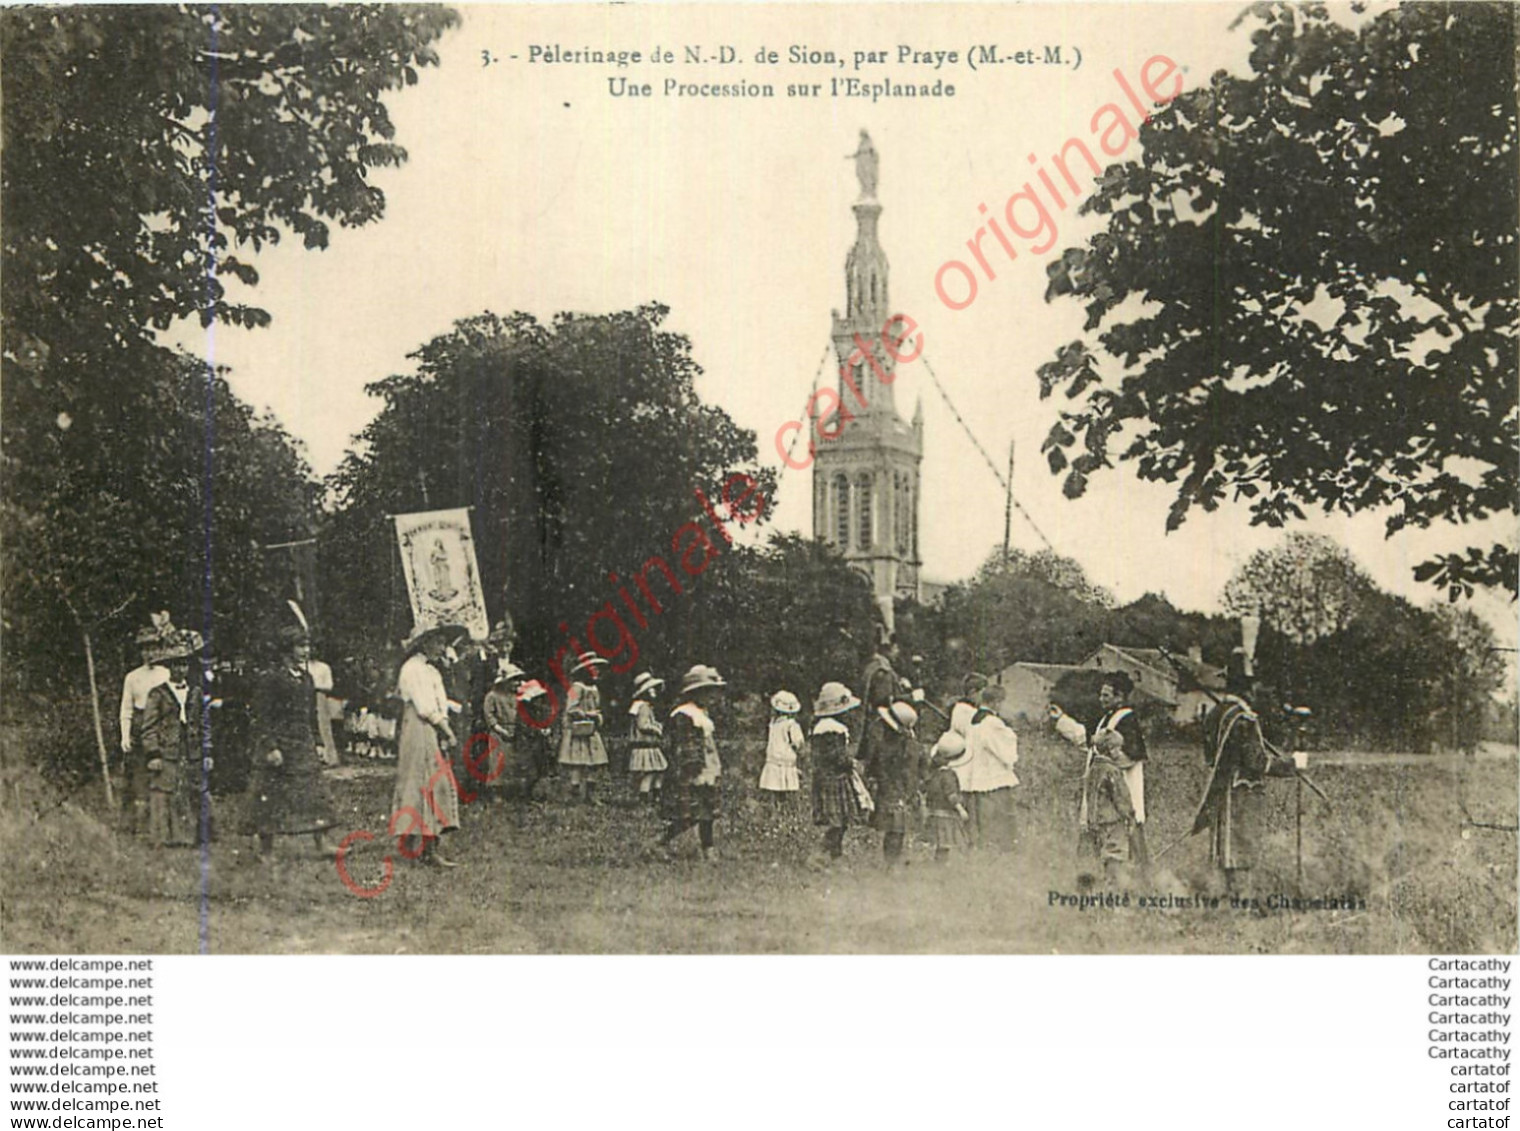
(1233,807)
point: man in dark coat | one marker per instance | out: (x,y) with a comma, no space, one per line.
(879,682)
(892,758)
(289,796)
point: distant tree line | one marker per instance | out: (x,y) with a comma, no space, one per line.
(1378,671)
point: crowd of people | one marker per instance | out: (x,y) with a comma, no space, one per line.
(469,716)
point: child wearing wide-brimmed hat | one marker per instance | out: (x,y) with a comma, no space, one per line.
(645,732)
(509,763)
(535,739)
(783,749)
(840,798)
(694,796)
(580,745)
(943,803)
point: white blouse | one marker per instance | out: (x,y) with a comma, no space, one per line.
(421,685)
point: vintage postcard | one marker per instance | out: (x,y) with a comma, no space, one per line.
(818,478)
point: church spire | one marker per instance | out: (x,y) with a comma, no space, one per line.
(865,268)
(866,471)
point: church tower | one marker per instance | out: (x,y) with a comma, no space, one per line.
(866,466)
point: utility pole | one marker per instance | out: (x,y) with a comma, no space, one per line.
(1008,506)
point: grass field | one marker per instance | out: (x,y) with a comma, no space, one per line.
(1405,837)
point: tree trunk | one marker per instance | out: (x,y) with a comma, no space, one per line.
(100,734)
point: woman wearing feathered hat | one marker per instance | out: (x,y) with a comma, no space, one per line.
(580,745)
(425,804)
(288,794)
(840,798)
(694,796)
(645,758)
(170,737)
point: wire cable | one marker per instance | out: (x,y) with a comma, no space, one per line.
(996,474)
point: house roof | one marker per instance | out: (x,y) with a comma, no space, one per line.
(1046,673)
(1207,675)
(1052,674)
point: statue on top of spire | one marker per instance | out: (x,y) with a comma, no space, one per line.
(865,166)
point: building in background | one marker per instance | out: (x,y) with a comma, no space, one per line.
(1155,676)
(866,478)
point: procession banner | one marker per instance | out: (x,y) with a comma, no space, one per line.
(442,579)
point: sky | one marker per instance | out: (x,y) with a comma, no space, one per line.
(531,187)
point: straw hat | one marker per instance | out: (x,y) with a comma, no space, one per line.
(646,684)
(502,633)
(785,703)
(950,750)
(834,699)
(507,670)
(700,676)
(588,662)
(449,634)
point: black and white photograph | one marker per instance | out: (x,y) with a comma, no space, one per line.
(819,479)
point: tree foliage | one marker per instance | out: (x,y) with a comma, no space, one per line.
(1306,291)
(805,617)
(1392,678)
(1471,672)
(166,504)
(145,151)
(580,445)
(1306,587)
(145,144)
(1047,566)
(1026,607)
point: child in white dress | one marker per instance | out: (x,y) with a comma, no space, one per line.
(779,778)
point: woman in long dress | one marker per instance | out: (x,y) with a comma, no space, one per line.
(581,747)
(171,742)
(426,801)
(289,795)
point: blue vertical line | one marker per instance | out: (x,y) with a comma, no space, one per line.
(207,478)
